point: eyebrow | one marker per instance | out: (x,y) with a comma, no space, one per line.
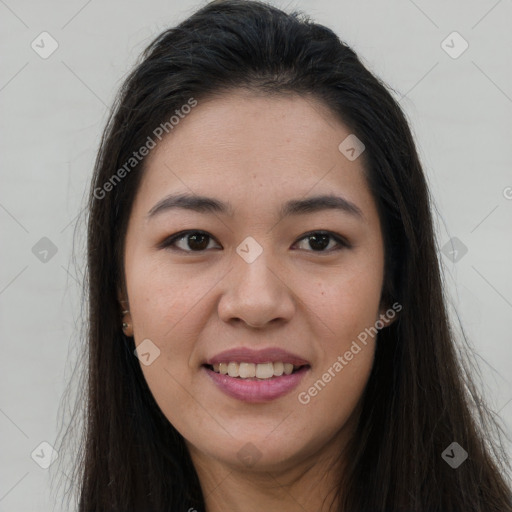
(203,204)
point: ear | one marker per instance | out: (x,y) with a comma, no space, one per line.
(122,299)
(125,313)
(389,313)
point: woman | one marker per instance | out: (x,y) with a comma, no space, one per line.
(267,327)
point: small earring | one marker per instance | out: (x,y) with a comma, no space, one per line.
(127,326)
(127,329)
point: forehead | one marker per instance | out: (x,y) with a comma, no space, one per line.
(249,127)
(247,145)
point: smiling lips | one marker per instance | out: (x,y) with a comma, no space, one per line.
(256,376)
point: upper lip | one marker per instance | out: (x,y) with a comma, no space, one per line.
(247,355)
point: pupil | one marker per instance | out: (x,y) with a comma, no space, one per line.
(314,239)
(201,246)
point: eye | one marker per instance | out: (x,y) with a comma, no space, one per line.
(319,240)
(198,241)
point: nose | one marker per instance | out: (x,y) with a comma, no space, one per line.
(257,294)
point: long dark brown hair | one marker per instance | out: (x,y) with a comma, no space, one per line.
(420,397)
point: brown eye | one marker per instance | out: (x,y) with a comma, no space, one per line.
(319,240)
(191,241)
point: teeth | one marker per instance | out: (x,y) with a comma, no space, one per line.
(247,370)
(250,370)
(264,370)
(233,369)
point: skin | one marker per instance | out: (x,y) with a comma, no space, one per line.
(256,152)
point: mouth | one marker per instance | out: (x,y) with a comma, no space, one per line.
(255,371)
(255,383)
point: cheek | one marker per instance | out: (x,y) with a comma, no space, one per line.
(166,309)
(348,307)
(335,386)
(164,301)
(348,302)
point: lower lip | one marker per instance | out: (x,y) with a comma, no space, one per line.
(257,390)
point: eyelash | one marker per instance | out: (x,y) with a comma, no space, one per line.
(168,242)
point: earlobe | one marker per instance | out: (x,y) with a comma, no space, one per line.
(123,301)
(127,323)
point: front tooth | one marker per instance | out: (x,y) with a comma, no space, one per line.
(264,370)
(278,369)
(233,369)
(223,368)
(288,368)
(247,370)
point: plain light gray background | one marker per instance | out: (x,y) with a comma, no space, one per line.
(53,113)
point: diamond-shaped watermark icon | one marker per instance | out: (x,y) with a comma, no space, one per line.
(454,455)
(147,352)
(249,249)
(454,249)
(454,45)
(249,454)
(44,45)
(44,250)
(351,147)
(44,455)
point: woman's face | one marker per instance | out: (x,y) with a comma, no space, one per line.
(252,282)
